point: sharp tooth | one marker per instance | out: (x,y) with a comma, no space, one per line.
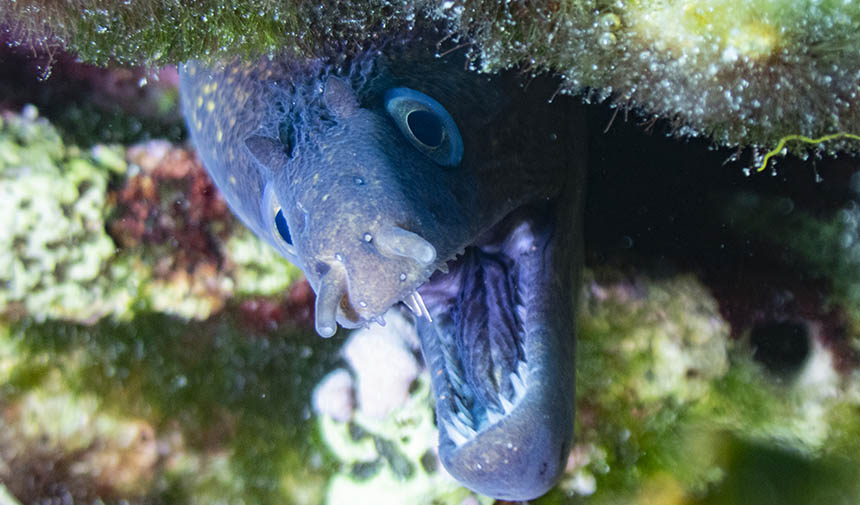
(395,241)
(461,426)
(523,370)
(506,404)
(380,320)
(416,305)
(444,268)
(521,312)
(493,416)
(518,385)
(454,434)
(413,306)
(329,296)
(461,407)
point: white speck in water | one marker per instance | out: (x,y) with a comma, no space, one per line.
(730,54)
(609,21)
(402,277)
(339,257)
(368,237)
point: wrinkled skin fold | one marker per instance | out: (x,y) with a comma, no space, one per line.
(392,175)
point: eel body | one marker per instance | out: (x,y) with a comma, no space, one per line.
(394,175)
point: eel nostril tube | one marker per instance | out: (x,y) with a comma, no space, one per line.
(329,295)
(395,241)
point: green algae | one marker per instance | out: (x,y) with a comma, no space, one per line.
(741,72)
(688,432)
(260,270)
(58,261)
(54,250)
(231,406)
(96,345)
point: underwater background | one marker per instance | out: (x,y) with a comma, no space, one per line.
(152,350)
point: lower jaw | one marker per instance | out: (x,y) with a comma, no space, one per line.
(494,456)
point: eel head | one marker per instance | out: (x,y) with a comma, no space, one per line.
(395,178)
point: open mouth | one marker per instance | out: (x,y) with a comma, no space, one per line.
(499,349)
(472,325)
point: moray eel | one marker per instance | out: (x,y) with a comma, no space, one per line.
(393,175)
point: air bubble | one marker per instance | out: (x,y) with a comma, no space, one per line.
(609,21)
(606,40)
(339,257)
(368,237)
(402,277)
(359,181)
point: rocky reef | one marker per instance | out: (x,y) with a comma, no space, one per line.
(152,350)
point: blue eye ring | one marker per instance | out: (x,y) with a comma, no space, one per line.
(426,124)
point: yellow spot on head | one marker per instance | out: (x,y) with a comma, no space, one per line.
(199,101)
(325,197)
(214,85)
(210,106)
(219,136)
(232,180)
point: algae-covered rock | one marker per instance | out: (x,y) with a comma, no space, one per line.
(54,249)
(740,71)
(671,408)
(90,233)
(160,409)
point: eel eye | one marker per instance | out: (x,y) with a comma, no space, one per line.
(274,214)
(283,229)
(426,124)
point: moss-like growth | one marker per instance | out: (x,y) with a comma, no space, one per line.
(54,250)
(159,407)
(742,72)
(83,237)
(670,409)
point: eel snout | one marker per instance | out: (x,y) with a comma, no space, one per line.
(349,290)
